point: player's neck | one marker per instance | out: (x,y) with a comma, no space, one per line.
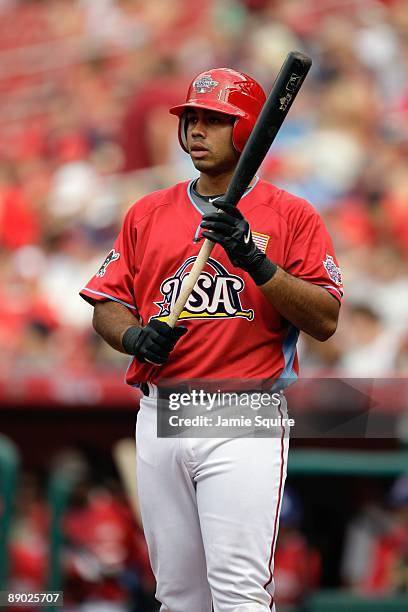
(213,185)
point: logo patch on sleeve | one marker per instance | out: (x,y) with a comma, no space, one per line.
(112,256)
(332,270)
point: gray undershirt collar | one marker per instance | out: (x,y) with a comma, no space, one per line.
(205,203)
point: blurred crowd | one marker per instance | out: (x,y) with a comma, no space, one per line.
(103,556)
(84,131)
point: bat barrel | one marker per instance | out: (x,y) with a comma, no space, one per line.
(284,90)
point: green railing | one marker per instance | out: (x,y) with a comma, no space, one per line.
(61,484)
(9,467)
(339,601)
(347,463)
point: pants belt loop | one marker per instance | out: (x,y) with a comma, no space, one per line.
(152,390)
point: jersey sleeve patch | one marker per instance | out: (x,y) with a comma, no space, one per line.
(112,256)
(333,270)
(261,240)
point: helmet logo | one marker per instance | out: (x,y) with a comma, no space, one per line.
(205,84)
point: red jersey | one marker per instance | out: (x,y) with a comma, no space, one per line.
(233,330)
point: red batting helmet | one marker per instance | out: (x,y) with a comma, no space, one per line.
(225,91)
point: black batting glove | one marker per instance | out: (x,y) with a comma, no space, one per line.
(232,231)
(152,343)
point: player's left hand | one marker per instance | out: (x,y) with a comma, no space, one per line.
(231,230)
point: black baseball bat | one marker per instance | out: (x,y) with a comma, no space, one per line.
(283,93)
(284,90)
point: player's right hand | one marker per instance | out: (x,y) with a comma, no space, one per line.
(152,343)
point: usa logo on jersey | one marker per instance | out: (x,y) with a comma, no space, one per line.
(215,295)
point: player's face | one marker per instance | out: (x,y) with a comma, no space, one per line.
(209,141)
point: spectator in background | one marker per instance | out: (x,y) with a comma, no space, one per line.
(29,540)
(372,346)
(148,130)
(19,225)
(297,565)
(105,558)
(376,550)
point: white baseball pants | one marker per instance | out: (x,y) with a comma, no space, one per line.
(210,509)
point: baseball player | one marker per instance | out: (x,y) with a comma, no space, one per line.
(210,506)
